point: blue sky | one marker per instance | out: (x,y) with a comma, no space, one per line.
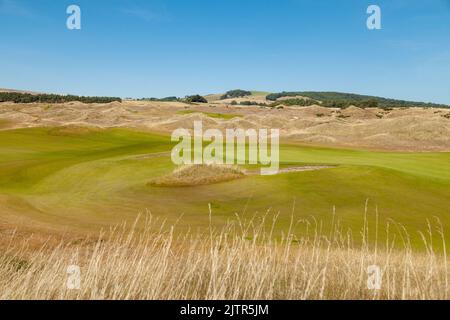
(138,48)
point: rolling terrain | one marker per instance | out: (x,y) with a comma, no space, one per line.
(93,185)
(397,129)
(77,167)
(83,179)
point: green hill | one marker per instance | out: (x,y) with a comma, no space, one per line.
(339,99)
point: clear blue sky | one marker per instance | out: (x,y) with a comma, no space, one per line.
(138,48)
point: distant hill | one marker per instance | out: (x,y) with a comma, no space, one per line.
(322,98)
(340,99)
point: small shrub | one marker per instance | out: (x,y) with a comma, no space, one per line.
(196,98)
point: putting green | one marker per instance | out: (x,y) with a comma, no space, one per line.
(88,179)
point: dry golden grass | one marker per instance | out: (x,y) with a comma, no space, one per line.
(194,175)
(240,261)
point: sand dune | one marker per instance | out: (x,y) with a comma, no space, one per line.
(406,129)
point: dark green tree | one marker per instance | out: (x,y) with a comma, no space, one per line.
(196,99)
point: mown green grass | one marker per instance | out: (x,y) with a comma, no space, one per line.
(224,116)
(260,93)
(90,179)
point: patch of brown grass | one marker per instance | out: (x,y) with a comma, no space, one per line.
(239,261)
(195,175)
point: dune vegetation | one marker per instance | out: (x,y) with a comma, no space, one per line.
(238,261)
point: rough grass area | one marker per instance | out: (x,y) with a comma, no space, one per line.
(238,261)
(195,175)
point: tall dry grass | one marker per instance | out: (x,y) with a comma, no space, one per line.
(199,174)
(239,261)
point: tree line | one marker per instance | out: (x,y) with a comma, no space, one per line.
(17,97)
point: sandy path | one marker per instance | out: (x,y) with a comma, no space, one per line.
(292,169)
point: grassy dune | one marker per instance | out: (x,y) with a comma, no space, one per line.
(84,180)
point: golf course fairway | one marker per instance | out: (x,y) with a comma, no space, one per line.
(88,179)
